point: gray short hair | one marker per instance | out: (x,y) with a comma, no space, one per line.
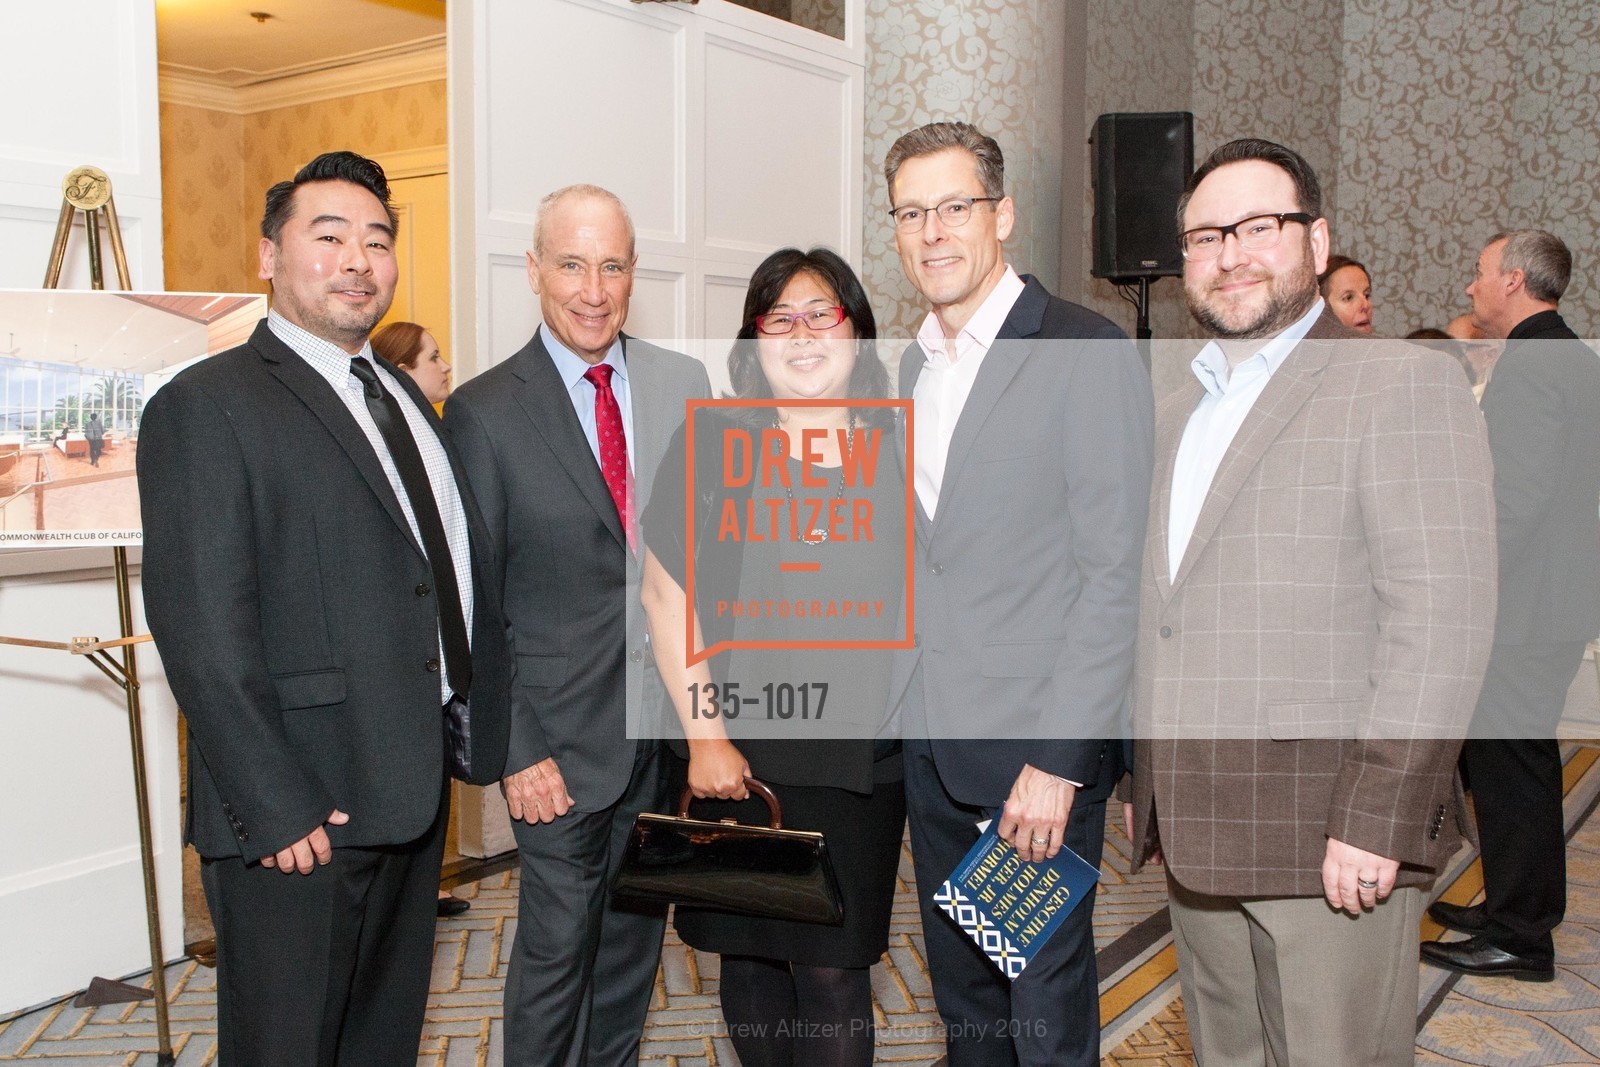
(551,200)
(942,136)
(1543,259)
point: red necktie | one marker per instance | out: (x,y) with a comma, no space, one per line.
(613,445)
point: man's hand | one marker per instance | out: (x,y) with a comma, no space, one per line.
(1034,820)
(717,769)
(1127,825)
(1353,878)
(537,793)
(308,853)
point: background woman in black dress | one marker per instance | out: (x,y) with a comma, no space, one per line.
(792,993)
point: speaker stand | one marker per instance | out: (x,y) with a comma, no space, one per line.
(1138,296)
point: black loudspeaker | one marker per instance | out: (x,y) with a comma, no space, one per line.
(1140,163)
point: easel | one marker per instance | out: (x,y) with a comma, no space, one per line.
(88,189)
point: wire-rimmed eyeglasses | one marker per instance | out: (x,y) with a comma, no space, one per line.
(818,319)
(953,212)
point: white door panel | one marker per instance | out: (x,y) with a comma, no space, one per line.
(670,108)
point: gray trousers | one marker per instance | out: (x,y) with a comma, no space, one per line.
(1286,982)
(582,969)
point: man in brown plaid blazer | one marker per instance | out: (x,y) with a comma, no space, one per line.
(1317,607)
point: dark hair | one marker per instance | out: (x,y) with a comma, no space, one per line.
(868,380)
(1338,263)
(329,167)
(400,343)
(1428,333)
(1543,259)
(1307,191)
(941,137)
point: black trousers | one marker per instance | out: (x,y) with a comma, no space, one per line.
(329,968)
(1048,1017)
(1514,765)
(582,970)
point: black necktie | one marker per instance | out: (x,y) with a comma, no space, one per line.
(414,477)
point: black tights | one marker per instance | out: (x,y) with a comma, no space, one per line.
(783,1014)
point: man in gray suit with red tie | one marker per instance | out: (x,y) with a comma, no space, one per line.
(1543,410)
(1032,469)
(1318,596)
(561,444)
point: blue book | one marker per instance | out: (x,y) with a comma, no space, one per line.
(1009,906)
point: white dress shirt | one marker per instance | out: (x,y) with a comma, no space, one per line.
(333,364)
(1227,399)
(946,380)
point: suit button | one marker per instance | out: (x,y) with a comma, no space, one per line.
(423,590)
(433,666)
(1166,631)
(244,835)
(936,569)
(636,655)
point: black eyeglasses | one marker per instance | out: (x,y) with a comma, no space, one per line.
(1255,234)
(953,212)
(784,321)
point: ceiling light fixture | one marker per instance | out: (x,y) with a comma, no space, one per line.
(262,16)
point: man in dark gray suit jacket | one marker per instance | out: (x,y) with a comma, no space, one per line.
(561,444)
(303,556)
(1542,407)
(1033,455)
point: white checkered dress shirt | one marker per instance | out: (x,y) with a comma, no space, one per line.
(333,364)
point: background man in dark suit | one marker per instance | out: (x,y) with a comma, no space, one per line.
(1032,472)
(1543,410)
(1314,625)
(310,565)
(561,443)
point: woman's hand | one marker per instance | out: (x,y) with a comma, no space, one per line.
(717,770)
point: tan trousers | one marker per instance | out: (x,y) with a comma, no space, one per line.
(1290,982)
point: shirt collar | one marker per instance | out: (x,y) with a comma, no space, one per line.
(327,358)
(1211,365)
(572,366)
(985,324)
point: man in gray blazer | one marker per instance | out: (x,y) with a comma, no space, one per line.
(561,442)
(1032,445)
(1317,601)
(1543,410)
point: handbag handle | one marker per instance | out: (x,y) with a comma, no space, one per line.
(756,786)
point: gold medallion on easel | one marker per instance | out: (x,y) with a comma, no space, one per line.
(88,189)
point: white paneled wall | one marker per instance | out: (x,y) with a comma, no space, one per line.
(79,81)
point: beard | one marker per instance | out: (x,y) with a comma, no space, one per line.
(1290,295)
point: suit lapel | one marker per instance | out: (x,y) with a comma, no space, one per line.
(314,392)
(911,364)
(544,399)
(1173,417)
(1291,386)
(1000,364)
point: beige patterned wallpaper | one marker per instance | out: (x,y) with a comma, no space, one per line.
(995,63)
(202,186)
(216,169)
(1459,120)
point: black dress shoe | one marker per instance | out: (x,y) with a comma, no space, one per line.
(1477,956)
(1462,918)
(449,906)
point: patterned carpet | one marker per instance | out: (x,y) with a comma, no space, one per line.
(1465,1021)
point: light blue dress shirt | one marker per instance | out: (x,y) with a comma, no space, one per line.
(580,390)
(1216,419)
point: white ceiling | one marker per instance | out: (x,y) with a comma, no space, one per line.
(218,39)
(100,330)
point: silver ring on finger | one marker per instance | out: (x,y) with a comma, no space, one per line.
(1364,884)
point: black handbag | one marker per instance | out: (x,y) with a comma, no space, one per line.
(764,871)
